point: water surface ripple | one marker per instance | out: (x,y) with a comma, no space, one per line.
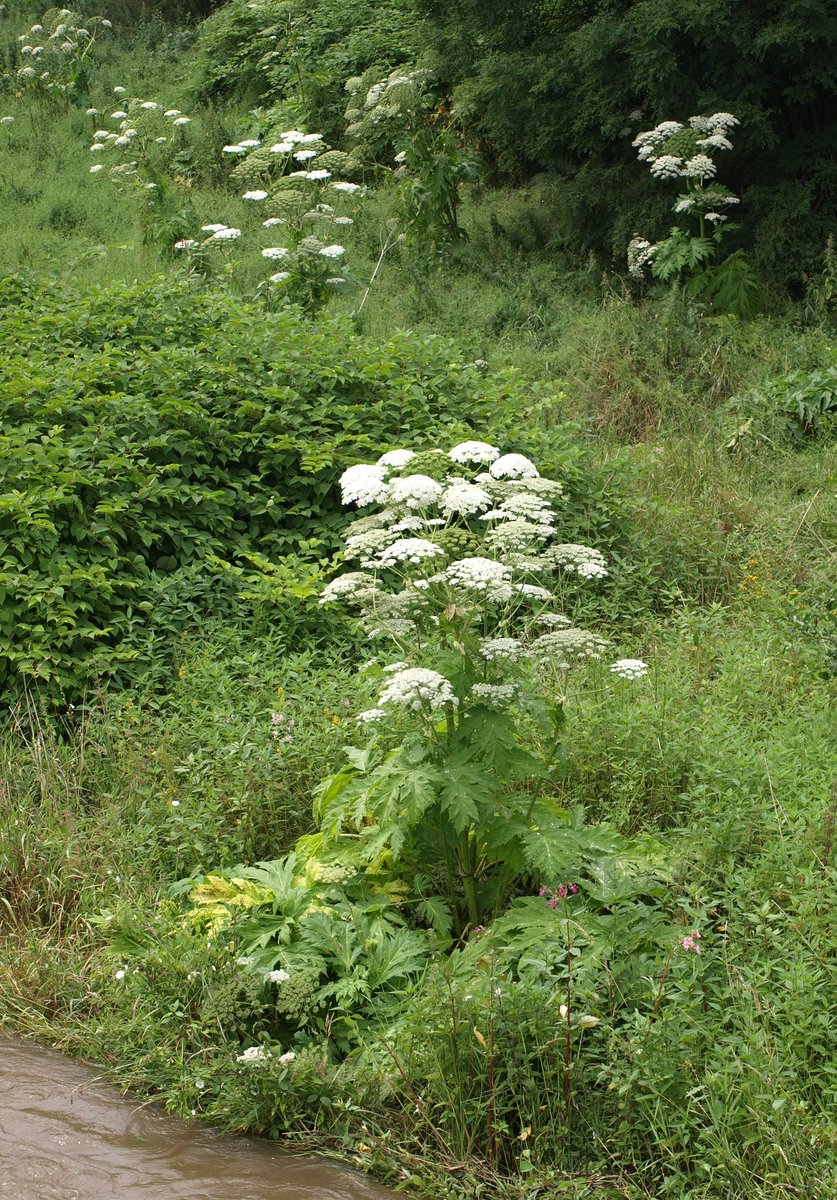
(65,1135)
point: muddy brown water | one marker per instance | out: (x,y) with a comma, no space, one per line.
(65,1135)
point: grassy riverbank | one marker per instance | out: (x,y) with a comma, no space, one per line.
(171,449)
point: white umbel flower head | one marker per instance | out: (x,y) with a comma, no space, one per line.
(473,452)
(363,484)
(500,649)
(480,575)
(254,1056)
(414,491)
(466,499)
(629,668)
(258,194)
(513,466)
(396,459)
(355,585)
(418,688)
(410,550)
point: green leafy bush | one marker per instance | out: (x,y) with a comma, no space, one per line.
(143,429)
(792,408)
(302,49)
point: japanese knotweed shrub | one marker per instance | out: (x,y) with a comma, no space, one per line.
(147,430)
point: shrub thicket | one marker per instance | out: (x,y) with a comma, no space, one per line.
(145,429)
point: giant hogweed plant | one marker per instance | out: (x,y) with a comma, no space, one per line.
(686,153)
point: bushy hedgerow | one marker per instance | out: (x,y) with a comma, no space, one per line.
(145,430)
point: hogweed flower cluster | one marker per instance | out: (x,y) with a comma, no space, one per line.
(460,561)
(685,152)
(56,51)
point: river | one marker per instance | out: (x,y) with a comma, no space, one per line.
(65,1135)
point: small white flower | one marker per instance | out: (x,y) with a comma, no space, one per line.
(292,135)
(246,960)
(282,148)
(275,252)
(280,276)
(118,115)
(629,668)
(304,155)
(120,974)
(95,168)
(333,251)
(480,575)
(182,121)
(318,175)
(346,187)
(278,976)
(343,221)
(308,138)
(233,150)
(37,29)
(500,649)
(92,112)
(172,112)
(161,141)
(667,166)
(119,91)
(591,570)
(255,195)
(226,235)
(700,167)
(122,141)
(212,228)
(149,104)
(96,147)
(286,1059)
(493,695)
(271,221)
(250,143)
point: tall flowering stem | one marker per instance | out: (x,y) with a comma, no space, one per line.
(457,563)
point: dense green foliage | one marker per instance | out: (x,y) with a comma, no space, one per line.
(214,877)
(565,87)
(150,431)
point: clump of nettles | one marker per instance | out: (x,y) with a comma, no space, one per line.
(464,554)
(56,53)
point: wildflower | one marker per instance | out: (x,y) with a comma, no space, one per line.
(493,695)
(699,167)
(411,550)
(512,466)
(282,148)
(561,646)
(591,570)
(292,135)
(286,1059)
(120,974)
(280,276)
(225,235)
(333,251)
(246,960)
(343,221)
(690,942)
(96,167)
(172,112)
(233,150)
(629,668)
(370,715)
(118,115)
(186,244)
(417,688)
(150,104)
(396,458)
(121,141)
(499,649)
(346,187)
(96,147)
(275,252)
(278,976)
(92,112)
(256,195)
(414,491)
(473,452)
(480,575)
(119,91)
(715,217)
(667,166)
(106,23)
(318,175)
(584,560)
(308,138)
(182,121)
(271,221)
(640,253)
(304,155)
(254,1056)
(250,143)
(464,498)
(363,484)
